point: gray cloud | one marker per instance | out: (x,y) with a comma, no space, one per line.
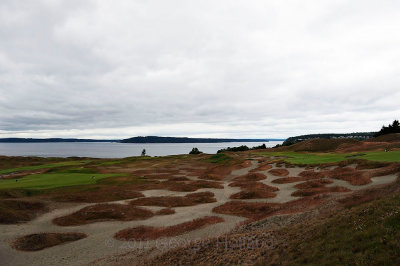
(220,69)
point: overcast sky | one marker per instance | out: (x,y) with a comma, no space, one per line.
(115,69)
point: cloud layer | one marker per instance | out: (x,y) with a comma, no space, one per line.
(112,69)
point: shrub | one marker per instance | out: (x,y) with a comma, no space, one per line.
(195,151)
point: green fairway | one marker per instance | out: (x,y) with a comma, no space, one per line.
(53,180)
(52,165)
(315,158)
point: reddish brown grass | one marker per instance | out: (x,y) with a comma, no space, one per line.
(212,177)
(165,211)
(314,184)
(251,177)
(367,195)
(35,242)
(311,174)
(391,169)
(253,194)
(289,179)
(113,193)
(362,165)
(206,184)
(262,167)
(279,172)
(259,210)
(15,211)
(252,185)
(152,233)
(348,174)
(253,190)
(254,210)
(178,186)
(176,201)
(103,212)
(318,190)
(179,178)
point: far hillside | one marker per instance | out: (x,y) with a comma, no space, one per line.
(388,138)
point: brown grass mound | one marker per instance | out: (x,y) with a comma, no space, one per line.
(176,201)
(152,233)
(311,174)
(259,210)
(364,164)
(178,186)
(289,179)
(212,177)
(391,169)
(314,184)
(318,190)
(206,184)
(253,194)
(279,172)
(251,177)
(253,190)
(348,174)
(320,145)
(179,178)
(359,197)
(255,210)
(102,195)
(262,167)
(252,185)
(15,211)
(165,211)
(103,212)
(395,137)
(35,242)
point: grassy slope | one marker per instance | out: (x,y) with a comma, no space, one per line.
(368,234)
(43,166)
(52,180)
(315,158)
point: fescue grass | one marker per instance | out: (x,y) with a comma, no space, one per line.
(279,172)
(176,201)
(13,211)
(152,233)
(103,212)
(364,235)
(259,210)
(35,242)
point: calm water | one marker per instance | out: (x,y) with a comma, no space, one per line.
(115,150)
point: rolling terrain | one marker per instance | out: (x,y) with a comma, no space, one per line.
(314,202)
